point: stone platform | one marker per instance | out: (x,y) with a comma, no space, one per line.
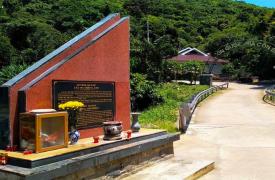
(89,160)
(175,169)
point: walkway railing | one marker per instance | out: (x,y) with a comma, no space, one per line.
(187,109)
(270,95)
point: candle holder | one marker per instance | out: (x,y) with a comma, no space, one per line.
(96,139)
(27,152)
(129,134)
(8,148)
(14,148)
(3,158)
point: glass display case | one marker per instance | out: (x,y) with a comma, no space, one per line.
(42,132)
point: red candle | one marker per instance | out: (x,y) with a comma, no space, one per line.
(129,133)
(14,148)
(96,139)
(3,159)
(8,148)
(26,152)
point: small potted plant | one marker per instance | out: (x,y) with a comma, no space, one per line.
(73,108)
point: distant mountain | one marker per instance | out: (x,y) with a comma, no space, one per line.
(239,32)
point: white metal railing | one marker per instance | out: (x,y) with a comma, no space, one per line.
(186,109)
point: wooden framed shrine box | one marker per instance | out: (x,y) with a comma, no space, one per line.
(42,132)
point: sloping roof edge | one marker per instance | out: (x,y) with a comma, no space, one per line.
(59,64)
(59,50)
(209,59)
(185,51)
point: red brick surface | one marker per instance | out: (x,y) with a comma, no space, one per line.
(105,60)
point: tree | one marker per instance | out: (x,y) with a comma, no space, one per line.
(143,93)
(228,70)
(12,5)
(32,28)
(173,68)
(10,71)
(194,68)
(7,51)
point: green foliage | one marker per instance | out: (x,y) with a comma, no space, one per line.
(190,68)
(173,70)
(6,51)
(194,69)
(228,70)
(164,116)
(143,93)
(10,71)
(32,28)
(12,5)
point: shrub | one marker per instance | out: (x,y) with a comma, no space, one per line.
(194,69)
(165,115)
(172,69)
(191,69)
(143,93)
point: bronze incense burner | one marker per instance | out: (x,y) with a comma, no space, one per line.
(112,130)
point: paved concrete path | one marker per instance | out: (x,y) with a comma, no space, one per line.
(236,129)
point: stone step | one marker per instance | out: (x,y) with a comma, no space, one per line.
(91,165)
(176,169)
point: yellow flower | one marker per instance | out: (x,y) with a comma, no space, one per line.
(71,105)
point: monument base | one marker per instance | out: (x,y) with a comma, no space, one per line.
(89,160)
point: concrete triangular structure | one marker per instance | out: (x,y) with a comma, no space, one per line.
(101,53)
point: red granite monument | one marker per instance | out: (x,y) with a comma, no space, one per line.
(92,67)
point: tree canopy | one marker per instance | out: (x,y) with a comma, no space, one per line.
(232,30)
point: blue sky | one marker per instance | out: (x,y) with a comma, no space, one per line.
(265,3)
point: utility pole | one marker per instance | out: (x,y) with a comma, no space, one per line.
(148,31)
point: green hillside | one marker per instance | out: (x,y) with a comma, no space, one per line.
(231,30)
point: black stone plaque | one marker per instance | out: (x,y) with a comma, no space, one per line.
(98,98)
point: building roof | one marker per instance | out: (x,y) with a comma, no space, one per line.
(190,50)
(184,50)
(206,59)
(193,54)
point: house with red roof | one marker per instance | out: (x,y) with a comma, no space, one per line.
(213,65)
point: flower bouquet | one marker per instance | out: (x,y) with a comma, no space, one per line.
(73,108)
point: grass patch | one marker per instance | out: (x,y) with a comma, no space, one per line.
(164,116)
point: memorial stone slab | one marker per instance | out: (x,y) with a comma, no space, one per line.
(98,97)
